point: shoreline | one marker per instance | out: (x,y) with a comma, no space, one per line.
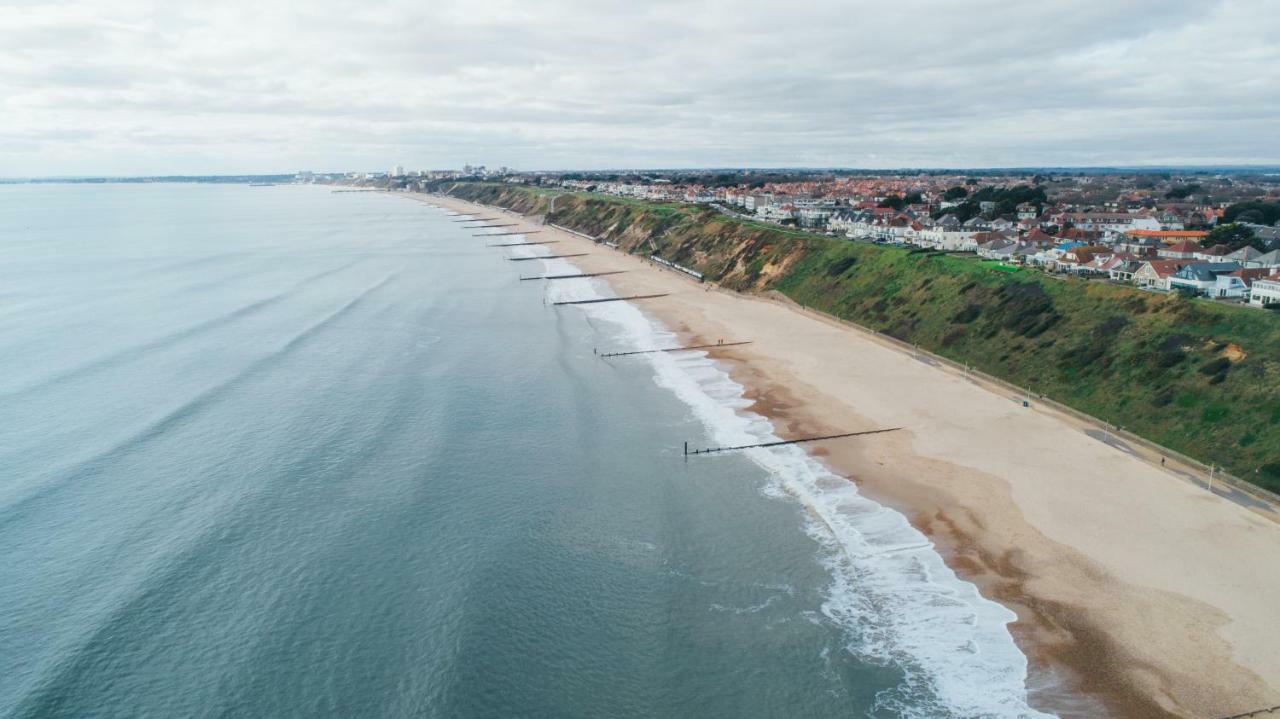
(1039,516)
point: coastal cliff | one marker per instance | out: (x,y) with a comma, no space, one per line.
(1198,377)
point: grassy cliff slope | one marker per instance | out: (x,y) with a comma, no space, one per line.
(1198,377)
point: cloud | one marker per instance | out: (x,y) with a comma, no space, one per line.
(135,86)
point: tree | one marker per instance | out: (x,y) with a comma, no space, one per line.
(1233,235)
(1269,211)
(1182,192)
(955,193)
(963,211)
(897,202)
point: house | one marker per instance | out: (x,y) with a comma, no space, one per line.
(1040,237)
(993,246)
(1077,259)
(1236,284)
(1270,259)
(1005,252)
(1265,292)
(1170,220)
(1108,223)
(1200,277)
(1141,246)
(951,238)
(1117,267)
(1075,234)
(1149,242)
(1244,255)
(1182,250)
(1168,236)
(1269,236)
(840,222)
(1050,257)
(1155,274)
(814,216)
(1217,253)
(777,211)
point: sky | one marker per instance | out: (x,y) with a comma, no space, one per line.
(135,87)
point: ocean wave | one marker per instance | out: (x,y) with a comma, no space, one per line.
(891,593)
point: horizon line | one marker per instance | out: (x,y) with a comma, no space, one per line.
(707,168)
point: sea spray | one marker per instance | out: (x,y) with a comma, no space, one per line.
(891,593)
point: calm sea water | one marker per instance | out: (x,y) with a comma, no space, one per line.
(281,452)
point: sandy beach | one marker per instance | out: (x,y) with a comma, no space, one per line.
(1131,584)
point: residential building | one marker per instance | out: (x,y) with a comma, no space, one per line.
(1236,284)
(1269,259)
(1168,235)
(1200,277)
(1265,292)
(1155,274)
(1182,250)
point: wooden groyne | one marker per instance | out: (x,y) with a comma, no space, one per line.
(573,277)
(506,234)
(610,299)
(478,219)
(675,349)
(523,244)
(546,257)
(779,443)
(493,227)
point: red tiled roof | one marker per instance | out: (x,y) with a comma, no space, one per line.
(1164,268)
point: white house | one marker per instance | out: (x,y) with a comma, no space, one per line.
(1265,292)
(949,239)
(1201,277)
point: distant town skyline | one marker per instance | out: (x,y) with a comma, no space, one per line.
(132,87)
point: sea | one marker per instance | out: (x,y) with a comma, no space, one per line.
(280,451)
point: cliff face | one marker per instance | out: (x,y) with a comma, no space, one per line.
(734,253)
(1198,377)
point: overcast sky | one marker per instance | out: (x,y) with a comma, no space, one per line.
(140,87)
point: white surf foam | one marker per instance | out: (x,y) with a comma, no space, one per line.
(891,592)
